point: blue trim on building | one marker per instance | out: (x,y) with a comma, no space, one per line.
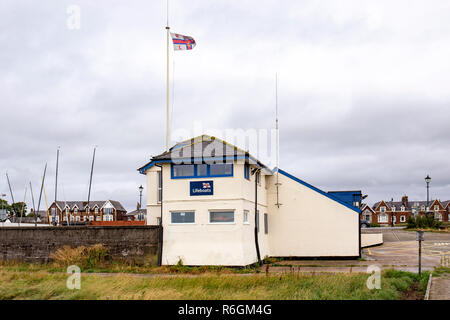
(316,189)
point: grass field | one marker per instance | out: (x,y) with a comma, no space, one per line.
(38,283)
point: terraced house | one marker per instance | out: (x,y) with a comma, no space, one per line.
(384,212)
(218,205)
(80,211)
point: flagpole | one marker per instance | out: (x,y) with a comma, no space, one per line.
(167,84)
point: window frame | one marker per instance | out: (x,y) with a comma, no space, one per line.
(159,195)
(208,171)
(245,217)
(181,223)
(247,171)
(402,218)
(222,210)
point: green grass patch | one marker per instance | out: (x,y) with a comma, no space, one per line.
(35,282)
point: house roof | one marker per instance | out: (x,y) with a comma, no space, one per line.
(411,204)
(135,212)
(82,204)
(204,148)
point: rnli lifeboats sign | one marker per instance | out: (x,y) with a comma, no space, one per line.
(202,188)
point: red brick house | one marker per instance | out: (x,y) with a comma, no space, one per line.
(79,211)
(386,211)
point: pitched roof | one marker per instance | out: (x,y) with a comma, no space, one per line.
(135,212)
(204,147)
(411,204)
(82,204)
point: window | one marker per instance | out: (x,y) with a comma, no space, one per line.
(98,218)
(221,169)
(247,171)
(71,218)
(183,217)
(266,224)
(393,209)
(402,208)
(87,210)
(382,218)
(221,216)
(159,186)
(202,170)
(91,218)
(422,208)
(367,217)
(67,210)
(356,204)
(246,217)
(402,218)
(436,208)
(77,218)
(108,211)
(108,217)
(394,219)
(183,171)
(75,210)
(96,211)
(383,209)
(439,216)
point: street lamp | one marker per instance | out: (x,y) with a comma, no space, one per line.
(141,188)
(428,180)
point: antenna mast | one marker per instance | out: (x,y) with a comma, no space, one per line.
(277,140)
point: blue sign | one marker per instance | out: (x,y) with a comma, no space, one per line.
(202,188)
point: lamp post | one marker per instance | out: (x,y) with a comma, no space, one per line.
(141,188)
(428,180)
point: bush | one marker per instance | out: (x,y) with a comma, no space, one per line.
(374,225)
(89,257)
(426,221)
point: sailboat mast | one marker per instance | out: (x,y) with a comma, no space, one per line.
(40,193)
(12,196)
(56,183)
(90,179)
(34,207)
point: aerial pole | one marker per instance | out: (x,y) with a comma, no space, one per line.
(90,179)
(56,183)
(12,196)
(277,139)
(167,84)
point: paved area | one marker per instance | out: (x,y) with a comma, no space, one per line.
(399,251)
(440,288)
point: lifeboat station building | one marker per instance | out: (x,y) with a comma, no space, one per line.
(218,205)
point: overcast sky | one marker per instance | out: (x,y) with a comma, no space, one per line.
(364,100)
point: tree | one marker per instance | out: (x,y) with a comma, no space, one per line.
(19,209)
(4,205)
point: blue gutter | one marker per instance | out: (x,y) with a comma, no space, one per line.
(316,189)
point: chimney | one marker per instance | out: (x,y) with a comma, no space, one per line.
(405,200)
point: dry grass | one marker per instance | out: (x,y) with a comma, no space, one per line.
(45,285)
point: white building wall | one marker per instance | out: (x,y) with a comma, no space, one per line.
(309,224)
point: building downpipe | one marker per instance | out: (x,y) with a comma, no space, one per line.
(160,227)
(258,255)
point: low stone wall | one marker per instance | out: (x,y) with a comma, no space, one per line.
(36,244)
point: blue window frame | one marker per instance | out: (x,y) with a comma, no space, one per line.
(186,171)
(247,171)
